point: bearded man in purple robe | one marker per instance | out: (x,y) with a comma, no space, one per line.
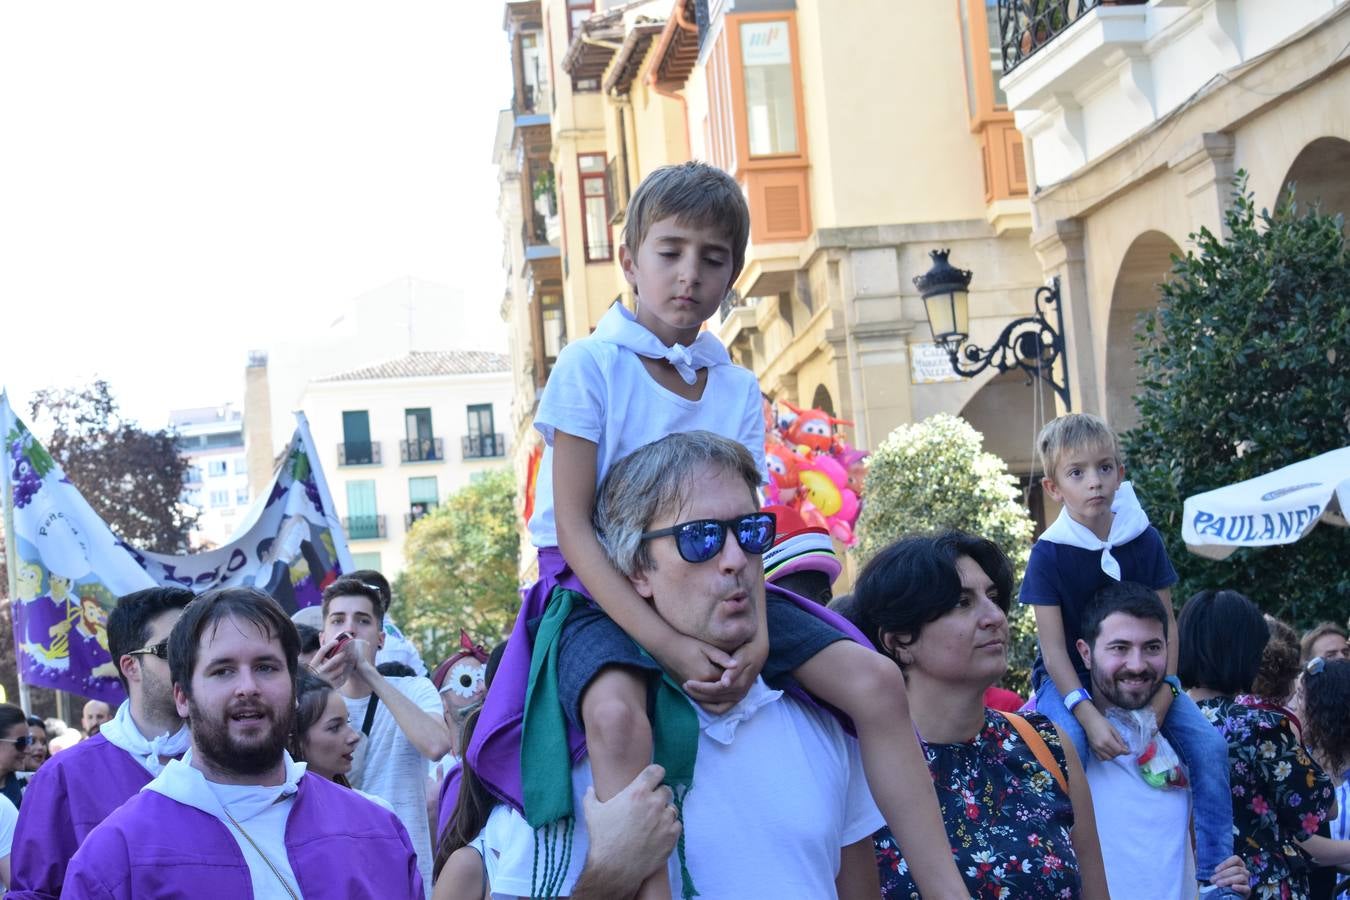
(237,817)
(79,787)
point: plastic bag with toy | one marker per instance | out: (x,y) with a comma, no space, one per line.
(1158,762)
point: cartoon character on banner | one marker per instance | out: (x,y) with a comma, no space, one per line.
(460,680)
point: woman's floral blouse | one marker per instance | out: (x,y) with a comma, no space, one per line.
(1007,818)
(1279,794)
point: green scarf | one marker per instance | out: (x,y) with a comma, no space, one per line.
(546,765)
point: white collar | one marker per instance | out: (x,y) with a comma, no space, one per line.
(621,327)
(1130,521)
(723,728)
(185,783)
(122,732)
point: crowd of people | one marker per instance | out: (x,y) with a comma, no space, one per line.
(683,708)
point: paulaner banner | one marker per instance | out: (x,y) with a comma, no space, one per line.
(70,568)
(1276,508)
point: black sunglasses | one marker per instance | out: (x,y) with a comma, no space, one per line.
(161,650)
(20,743)
(702,539)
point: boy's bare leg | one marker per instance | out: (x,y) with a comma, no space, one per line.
(619,743)
(869,688)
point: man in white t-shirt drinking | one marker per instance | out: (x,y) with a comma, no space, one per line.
(401,717)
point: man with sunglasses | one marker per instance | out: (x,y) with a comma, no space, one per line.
(14,741)
(79,787)
(775,801)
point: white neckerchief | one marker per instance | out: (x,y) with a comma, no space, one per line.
(187,784)
(122,733)
(723,728)
(621,327)
(1129,523)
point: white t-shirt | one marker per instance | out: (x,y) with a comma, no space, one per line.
(1144,832)
(9,820)
(262,811)
(602,392)
(389,766)
(778,791)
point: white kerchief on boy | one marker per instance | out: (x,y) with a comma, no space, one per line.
(1129,523)
(619,326)
(121,732)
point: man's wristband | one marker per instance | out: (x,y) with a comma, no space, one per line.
(1073,698)
(1175,684)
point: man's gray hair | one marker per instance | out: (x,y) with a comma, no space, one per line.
(655,478)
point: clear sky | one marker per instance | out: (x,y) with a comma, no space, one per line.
(181,182)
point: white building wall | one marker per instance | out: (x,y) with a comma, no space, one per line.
(448,398)
(1120,70)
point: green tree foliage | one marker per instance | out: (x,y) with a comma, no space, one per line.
(133,478)
(934,475)
(461,569)
(1244,371)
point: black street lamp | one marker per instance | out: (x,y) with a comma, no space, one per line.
(1030,343)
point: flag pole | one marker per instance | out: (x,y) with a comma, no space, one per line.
(11,566)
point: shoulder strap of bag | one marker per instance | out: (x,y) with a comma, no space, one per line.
(1032,738)
(370,713)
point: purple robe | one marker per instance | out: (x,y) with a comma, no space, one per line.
(494,752)
(339,844)
(72,793)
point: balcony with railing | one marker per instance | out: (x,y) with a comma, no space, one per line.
(483,446)
(364,528)
(418,511)
(541,231)
(359,453)
(422,450)
(1079,75)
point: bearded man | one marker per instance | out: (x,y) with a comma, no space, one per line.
(238,817)
(1144,810)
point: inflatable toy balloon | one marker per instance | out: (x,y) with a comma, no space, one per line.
(848,506)
(822,492)
(813,428)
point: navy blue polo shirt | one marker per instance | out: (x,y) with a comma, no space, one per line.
(1067,577)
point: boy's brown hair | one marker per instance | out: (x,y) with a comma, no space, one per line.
(351,586)
(1069,432)
(695,193)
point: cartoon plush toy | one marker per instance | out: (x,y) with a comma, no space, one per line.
(784,467)
(813,429)
(814,471)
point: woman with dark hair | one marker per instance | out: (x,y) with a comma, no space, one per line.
(938,607)
(1325,707)
(37,745)
(1277,677)
(321,735)
(464,863)
(1280,796)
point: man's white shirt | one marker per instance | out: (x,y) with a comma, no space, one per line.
(1145,833)
(387,764)
(778,791)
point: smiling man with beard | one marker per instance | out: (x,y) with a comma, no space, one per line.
(1144,828)
(238,817)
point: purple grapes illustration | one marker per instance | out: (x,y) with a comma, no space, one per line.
(24,474)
